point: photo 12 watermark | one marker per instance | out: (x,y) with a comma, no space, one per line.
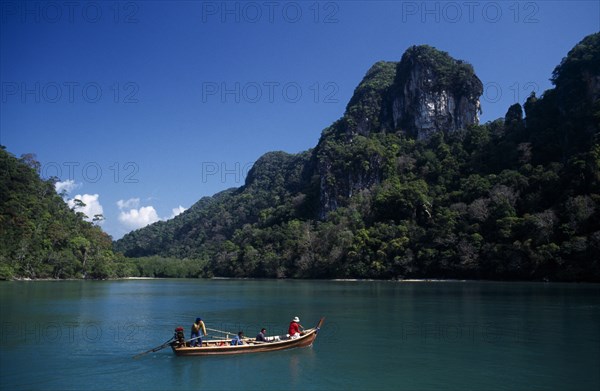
(271,12)
(225,172)
(69,92)
(34,333)
(91,172)
(269,92)
(470,11)
(517,92)
(71,12)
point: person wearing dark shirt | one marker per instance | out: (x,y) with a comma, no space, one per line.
(261,337)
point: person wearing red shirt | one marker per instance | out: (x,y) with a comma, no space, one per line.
(295,327)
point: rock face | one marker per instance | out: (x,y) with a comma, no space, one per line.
(345,139)
(410,211)
(426,92)
(434,93)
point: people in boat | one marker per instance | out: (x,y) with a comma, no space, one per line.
(261,337)
(295,329)
(238,339)
(196,328)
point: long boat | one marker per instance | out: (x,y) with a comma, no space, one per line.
(251,345)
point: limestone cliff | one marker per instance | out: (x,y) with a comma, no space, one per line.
(426,92)
(433,92)
(514,199)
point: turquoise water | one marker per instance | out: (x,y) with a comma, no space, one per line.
(377,335)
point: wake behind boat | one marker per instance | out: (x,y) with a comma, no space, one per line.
(216,347)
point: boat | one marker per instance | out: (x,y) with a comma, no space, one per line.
(216,347)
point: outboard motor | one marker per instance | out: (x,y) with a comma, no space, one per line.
(179,337)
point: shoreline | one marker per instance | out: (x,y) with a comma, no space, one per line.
(28,279)
(408,280)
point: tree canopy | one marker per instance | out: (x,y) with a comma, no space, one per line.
(516,198)
(40,236)
(513,199)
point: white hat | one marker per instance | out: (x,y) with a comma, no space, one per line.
(296,319)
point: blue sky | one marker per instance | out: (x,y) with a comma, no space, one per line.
(143,107)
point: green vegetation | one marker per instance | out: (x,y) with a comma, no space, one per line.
(446,72)
(363,109)
(40,237)
(455,207)
(511,199)
(160,267)
(516,199)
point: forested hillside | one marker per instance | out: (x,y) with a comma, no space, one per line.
(407,185)
(40,236)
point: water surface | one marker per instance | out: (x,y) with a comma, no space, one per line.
(76,335)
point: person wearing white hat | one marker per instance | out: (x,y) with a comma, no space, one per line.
(295,328)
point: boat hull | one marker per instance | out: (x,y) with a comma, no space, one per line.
(223,347)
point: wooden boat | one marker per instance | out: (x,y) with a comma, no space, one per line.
(223,346)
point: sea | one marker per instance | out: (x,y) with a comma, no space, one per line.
(377,335)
